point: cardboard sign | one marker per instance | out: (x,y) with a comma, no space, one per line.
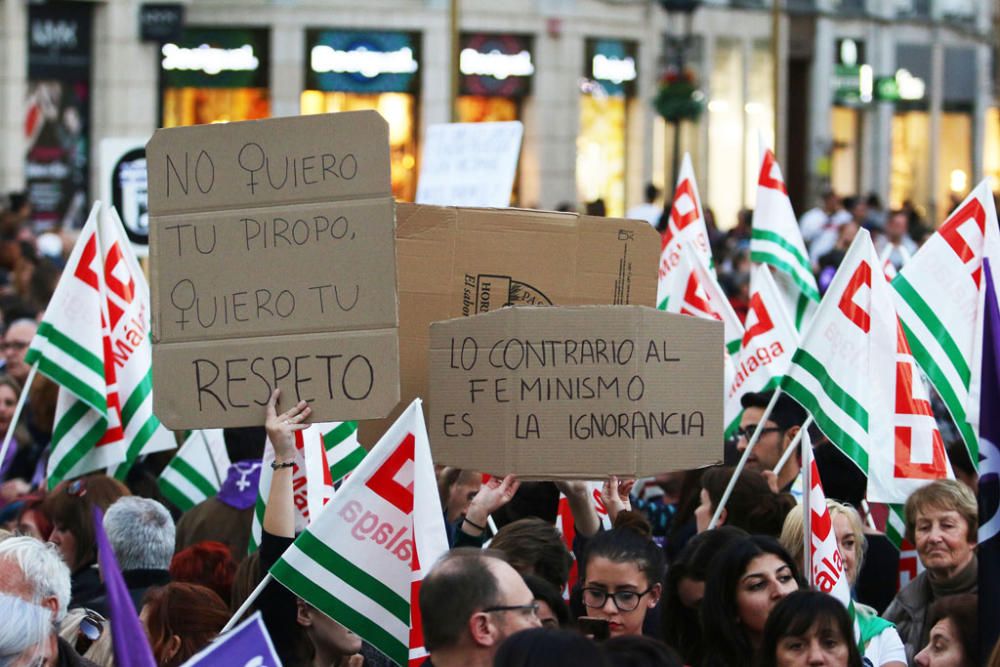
(469,164)
(576,392)
(455,262)
(273,264)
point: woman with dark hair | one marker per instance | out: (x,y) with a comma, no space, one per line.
(181,619)
(685,587)
(552,610)
(70,507)
(954,636)
(621,577)
(745,581)
(542,647)
(809,628)
(32,520)
(753,506)
(639,652)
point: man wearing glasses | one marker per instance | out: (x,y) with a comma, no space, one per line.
(778,432)
(470,602)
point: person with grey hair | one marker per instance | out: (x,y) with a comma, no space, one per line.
(25,634)
(34,572)
(141,532)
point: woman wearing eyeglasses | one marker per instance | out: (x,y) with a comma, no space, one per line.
(69,507)
(622,572)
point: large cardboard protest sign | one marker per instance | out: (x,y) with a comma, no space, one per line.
(576,392)
(455,262)
(273,264)
(469,164)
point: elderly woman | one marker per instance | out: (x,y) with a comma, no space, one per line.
(883,647)
(941,519)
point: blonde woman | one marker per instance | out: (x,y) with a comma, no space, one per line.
(883,646)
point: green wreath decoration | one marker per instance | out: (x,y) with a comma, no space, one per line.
(679,97)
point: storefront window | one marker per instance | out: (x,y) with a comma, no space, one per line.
(353,70)
(608,83)
(954,173)
(844,162)
(215,76)
(910,177)
(495,75)
(726,132)
(991,148)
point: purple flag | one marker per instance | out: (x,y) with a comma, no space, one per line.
(246,644)
(127,634)
(240,488)
(988,551)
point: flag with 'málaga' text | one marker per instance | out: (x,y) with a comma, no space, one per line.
(685,224)
(362,560)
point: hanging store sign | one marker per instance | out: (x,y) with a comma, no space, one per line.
(612,63)
(362,61)
(223,58)
(496,65)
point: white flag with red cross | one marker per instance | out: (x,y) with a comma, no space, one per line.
(686,224)
(939,295)
(775,240)
(828,574)
(362,559)
(768,343)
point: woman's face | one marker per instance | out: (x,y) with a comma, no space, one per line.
(944,648)
(607,577)
(847,542)
(690,591)
(766,580)
(65,541)
(942,541)
(546,615)
(27,525)
(8,401)
(818,647)
(703,513)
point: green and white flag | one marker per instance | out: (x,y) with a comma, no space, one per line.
(846,345)
(73,349)
(686,224)
(341,453)
(128,309)
(362,560)
(939,295)
(197,470)
(94,343)
(694,291)
(776,240)
(766,349)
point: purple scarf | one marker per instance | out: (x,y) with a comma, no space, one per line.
(239,491)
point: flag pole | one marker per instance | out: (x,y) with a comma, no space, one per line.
(869,519)
(246,604)
(806,509)
(793,446)
(743,459)
(21,400)
(211,456)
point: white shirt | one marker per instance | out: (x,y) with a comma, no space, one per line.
(885,647)
(649,212)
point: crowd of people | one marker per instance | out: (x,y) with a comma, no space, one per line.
(649,585)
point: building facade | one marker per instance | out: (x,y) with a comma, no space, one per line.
(890,96)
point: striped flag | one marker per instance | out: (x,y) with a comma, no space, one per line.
(72,348)
(361,562)
(776,240)
(128,308)
(342,453)
(197,470)
(685,225)
(828,574)
(851,334)
(909,563)
(766,349)
(939,296)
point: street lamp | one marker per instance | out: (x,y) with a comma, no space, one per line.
(678,98)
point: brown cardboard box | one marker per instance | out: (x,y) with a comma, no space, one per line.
(576,392)
(461,261)
(272,262)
